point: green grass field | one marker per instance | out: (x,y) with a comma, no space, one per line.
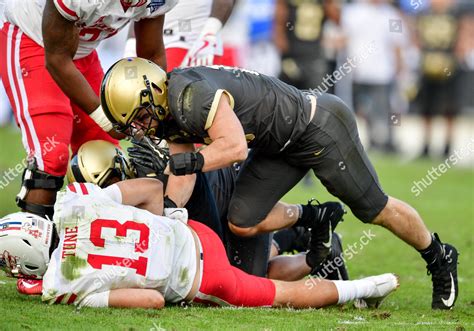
(447,207)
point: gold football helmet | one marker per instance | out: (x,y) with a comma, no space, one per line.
(99,162)
(134,92)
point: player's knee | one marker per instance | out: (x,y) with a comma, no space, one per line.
(242,232)
(372,214)
(55,157)
(241,217)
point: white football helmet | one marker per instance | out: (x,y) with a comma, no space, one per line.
(25,242)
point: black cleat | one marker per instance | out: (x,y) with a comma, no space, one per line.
(326,217)
(444,275)
(333,267)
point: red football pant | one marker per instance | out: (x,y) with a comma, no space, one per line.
(48,120)
(223,284)
(174,57)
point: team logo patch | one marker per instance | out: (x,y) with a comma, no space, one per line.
(126,4)
(154,5)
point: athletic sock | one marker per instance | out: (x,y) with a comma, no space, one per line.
(433,251)
(349,290)
(307,214)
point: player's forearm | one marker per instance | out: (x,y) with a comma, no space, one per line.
(72,82)
(224,152)
(149,40)
(221,9)
(180,188)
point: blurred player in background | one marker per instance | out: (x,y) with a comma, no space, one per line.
(298,37)
(191,33)
(377,25)
(51,102)
(113,250)
(437,31)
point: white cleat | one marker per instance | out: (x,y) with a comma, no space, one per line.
(384,285)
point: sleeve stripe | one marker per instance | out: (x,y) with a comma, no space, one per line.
(72,188)
(215,104)
(83,189)
(66,10)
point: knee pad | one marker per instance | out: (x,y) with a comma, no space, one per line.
(241,214)
(37,179)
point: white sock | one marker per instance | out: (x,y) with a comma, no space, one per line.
(349,290)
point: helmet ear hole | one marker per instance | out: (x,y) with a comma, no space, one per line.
(157,89)
(26,242)
(31,267)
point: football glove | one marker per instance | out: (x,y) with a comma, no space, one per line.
(147,157)
(205,47)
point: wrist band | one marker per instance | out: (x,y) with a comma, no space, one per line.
(99,117)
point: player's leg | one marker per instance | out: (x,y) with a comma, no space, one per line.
(174,57)
(43,115)
(84,127)
(255,207)
(345,170)
(223,284)
(316,293)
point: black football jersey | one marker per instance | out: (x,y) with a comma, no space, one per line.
(273,114)
(305,28)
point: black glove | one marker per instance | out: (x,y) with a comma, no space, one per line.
(148,157)
(186,163)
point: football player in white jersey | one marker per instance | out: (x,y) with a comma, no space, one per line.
(192,33)
(115,251)
(51,102)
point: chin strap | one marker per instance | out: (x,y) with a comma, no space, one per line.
(36,179)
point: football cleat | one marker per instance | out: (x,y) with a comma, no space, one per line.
(326,217)
(444,275)
(383,285)
(29,286)
(333,267)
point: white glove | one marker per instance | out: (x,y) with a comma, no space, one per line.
(99,117)
(205,47)
(179,214)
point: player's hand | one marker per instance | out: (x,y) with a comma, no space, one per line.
(145,154)
(202,52)
(205,47)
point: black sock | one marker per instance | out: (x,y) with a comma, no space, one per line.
(284,239)
(307,215)
(433,251)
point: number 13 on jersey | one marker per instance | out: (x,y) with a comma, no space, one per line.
(97,261)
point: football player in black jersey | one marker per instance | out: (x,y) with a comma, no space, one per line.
(289,131)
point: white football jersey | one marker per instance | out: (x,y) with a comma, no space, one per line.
(105,245)
(184,23)
(96,20)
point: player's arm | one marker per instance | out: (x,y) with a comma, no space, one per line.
(61,39)
(228,138)
(144,193)
(180,188)
(149,39)
(221,9)
(228,143)
(136,298)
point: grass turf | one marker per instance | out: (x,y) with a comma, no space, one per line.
(446,206)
